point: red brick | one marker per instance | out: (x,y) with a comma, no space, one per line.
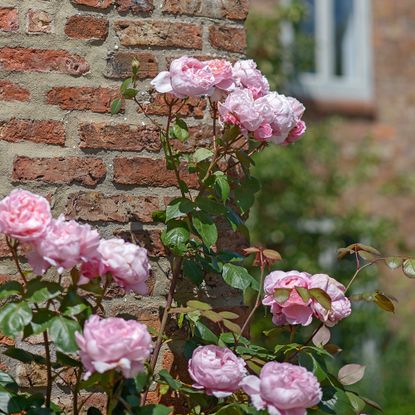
(228,38)
(82,98)
(96,4)
(194,107)
(9,91)
(119,137)
(42,60)
(86,171)
(147,238)
(158,33)
(38,21)
(144,171)
(134,6)
(217,9)
(9,19)
(39,131)
(119,65)
(95,206)
(87,27)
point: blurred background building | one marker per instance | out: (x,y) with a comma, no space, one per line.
(351,178)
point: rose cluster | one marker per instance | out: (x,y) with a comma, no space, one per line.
(243,94)
(65,244)
(299,310)
(281,388)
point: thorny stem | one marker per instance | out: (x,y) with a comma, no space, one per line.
(13,250)
(49,370)
(75,392)
(177,267)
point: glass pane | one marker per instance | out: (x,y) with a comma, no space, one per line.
(344,37)
(305,40)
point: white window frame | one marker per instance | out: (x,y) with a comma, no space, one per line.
(323,84)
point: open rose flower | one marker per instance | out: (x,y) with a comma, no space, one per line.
(127,263)
(24,215)
(187,77)
(65,245)
(247,75)
(217,370)
(293,310)
(300,127)
(114,343)
(340,304)
(283,389)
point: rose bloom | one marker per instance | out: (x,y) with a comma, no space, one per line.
(247,75)
(187,77)
(300,127)
(294,310)
(217,370)
(128,264)
(24,215)
(340,304)
(283,389)
(65,245)
(114,343)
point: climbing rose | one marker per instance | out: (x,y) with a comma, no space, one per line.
(24,215)
(187,77)
(65,245)
(247,75)
(340,304)
(300,127)
(128,264)
(294,310)
(217,370)
(283,389)
(114,343)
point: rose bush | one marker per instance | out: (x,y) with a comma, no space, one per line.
(59,293)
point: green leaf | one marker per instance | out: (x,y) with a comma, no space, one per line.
(180,130)
(236,276)
(159,216)
(176,239)
(199,305)
(141,381)
(350,374)
(23,355)
(39,291)
(173,383)
(116,106)
(232,409)
(222,186)
(373,404)
(205,227)
(10,288)
(303,293)
(357,402)
(281,295)
(154,410)
(212,316)
(178,208)
(210,206)
(408,267)
(384,302)
(126,84)
(205,334)
(339,403)
(230,325)
(201,154)
(321,297)
(193,271)
(93,411)
(393,262)
(130,93)
(14,317)
(65,360)
(229,315)
(62,332)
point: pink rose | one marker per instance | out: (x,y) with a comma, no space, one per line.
(217,370)
(187,77)
(114,343)
(24,215)
(239,109)
(128,264)
(300,127)
(340,304)
(283,389)
(247,75)
(65,245)
(294,310)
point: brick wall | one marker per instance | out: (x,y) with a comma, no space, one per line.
(61,63)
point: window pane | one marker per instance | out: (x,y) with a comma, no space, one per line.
(344,37)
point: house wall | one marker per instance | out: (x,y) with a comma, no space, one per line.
(61,64)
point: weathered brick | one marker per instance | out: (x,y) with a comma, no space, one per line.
(9,19)
(119,137)
(228,38)
(42,60)
(134,6)
(82,98)
(194,107)
(39,131)
(158,33)
(119,65)
(87,27)
(9,91)
(198,137)
(31,375)
(96,4)
(95,206)
(38,21)
(144,171)
(217,9)
(148,238)
(86,171)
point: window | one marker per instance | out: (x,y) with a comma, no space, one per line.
(330,50)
